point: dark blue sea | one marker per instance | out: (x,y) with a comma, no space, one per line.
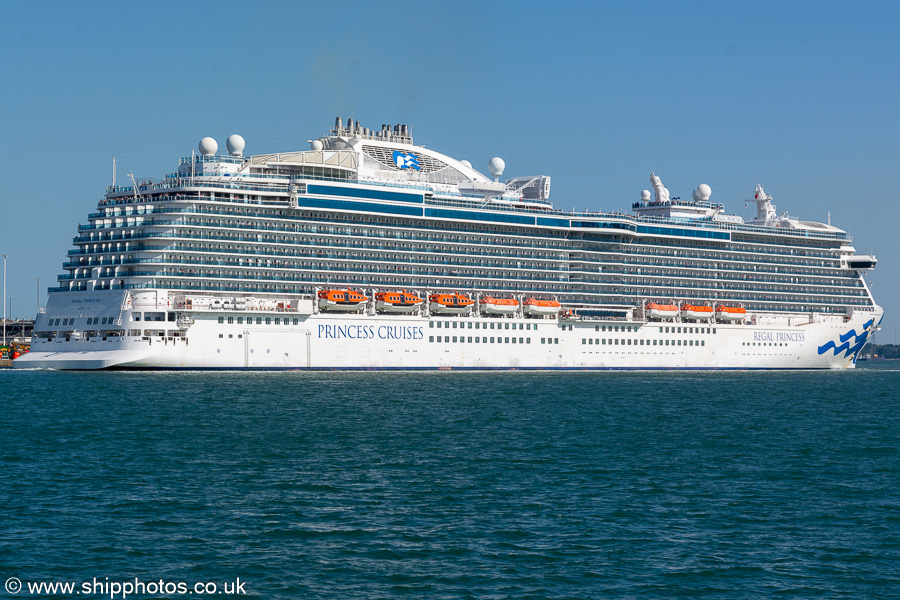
(452,485)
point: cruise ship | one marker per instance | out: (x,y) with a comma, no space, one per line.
(367,251)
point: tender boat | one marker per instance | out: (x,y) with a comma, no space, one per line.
(696,312)
(541,307)
(730,313)
(492,305)
(656,310)
(342,300)
(453,304)
(397,302)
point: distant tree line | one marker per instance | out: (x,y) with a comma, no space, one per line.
(882,350)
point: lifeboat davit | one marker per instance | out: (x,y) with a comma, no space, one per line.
(697,312)
(492,305)
(397,302)
(342,300)
(538,307)
(656,310)
(453,304)
(730,313)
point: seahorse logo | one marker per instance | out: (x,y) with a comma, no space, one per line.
(406,160)
(847,346)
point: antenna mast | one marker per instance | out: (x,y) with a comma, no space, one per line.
(114,172)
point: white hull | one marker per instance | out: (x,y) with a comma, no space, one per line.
(654,313)
(388,308)
(541,311)
(436,308)
(695,315)
(498,309)
(724,316)
(332,306)
(359,341)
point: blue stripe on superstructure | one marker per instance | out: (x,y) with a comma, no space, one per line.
(584,369)
(697,233)
(391,209)
(604,225)
(330,190)
(443,213)
(553,222)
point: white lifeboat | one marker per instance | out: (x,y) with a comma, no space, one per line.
(696,312)
(656,310)
(342,300)
(492,305)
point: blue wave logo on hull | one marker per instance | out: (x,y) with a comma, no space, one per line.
(405,160)
(848,347)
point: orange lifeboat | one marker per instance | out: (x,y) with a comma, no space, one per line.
(492,305)
(538,307)
(656,310)
(730,313)
(697,312)
(342,300)
(397,302)
(453,304)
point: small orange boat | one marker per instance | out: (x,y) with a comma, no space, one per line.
(342,300)
(492,305)
(656,310)
(397,302)
(697,312)
(730,313)
(454,304)
(539,307)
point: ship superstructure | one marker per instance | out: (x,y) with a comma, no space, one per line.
(225,264)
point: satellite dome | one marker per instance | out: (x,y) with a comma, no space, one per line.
(702,193)
(465,163)
(316,145)
(208,146)
(235,145)
(645,195)
(496,166)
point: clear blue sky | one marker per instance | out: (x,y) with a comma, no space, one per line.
(800,96)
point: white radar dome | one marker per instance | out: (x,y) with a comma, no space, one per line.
(496,166)
(316,145)
(235,145)
(208,146)
(645,195)
(702,193)
(465,163)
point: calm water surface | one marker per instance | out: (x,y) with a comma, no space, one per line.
(457,485)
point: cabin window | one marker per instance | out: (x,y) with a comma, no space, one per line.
(430,338)
(221,320)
